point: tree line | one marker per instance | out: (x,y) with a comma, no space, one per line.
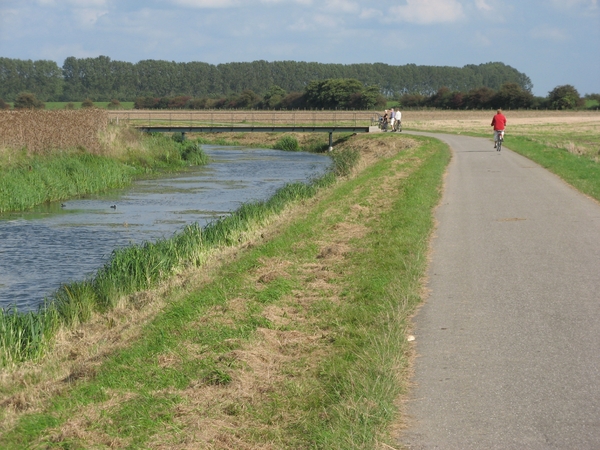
(102,79)
(509,96)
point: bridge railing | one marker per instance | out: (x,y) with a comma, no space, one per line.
(242,117)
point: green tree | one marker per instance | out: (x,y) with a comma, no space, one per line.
(480,97)
(564,97)
(272,99)
(512,96)
(333,93)
(27,100)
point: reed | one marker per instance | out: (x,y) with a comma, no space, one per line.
(141,267)
(29,180)
(24,336)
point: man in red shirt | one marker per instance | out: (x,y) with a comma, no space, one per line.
(499,123)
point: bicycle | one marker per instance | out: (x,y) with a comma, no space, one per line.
(500,140)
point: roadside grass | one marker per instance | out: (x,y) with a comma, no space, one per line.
(299,341)
(580,171)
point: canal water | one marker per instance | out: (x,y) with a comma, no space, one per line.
(60,243)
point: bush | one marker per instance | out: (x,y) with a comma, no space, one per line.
(114,104)
(289,143)
(565,97)
(4,105)
(27,100)
(70,105)
(87,103)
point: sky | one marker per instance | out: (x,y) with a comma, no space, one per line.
(554,42)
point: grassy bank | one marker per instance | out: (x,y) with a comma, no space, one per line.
(139,267)
(29,179)
(296,340)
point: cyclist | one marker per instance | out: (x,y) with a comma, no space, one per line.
(499,123)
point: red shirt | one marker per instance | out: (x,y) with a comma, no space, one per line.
(499,122)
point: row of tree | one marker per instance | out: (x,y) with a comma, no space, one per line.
(348,93)
(335,93)
(509,96)
(102,79)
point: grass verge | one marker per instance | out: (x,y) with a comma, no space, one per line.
(296,342)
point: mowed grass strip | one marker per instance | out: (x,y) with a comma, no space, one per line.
(299,342)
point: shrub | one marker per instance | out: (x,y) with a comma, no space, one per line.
(114,104)
(565,97)
(4,105)
(87,103)
(27,100)
(289,143)
(70,106)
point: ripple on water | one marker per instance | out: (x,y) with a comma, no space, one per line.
(54,244)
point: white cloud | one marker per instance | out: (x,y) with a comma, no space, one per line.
(482,5)
(371,13)
(342,6)
(75,3)
(207,3)
(586,4)
(549,33)
(88,17)
(427,11)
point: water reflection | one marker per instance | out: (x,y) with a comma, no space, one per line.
(55,244)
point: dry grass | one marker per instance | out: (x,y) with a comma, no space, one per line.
(42,131)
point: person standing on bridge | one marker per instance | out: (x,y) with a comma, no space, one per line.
(499,123)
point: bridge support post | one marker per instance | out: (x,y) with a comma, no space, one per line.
(330,140)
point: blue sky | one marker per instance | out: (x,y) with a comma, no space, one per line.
(554,42)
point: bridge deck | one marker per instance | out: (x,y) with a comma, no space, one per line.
(255,129)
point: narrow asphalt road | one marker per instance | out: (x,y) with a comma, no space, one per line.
(508,341)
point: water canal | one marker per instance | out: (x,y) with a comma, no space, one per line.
(59,243)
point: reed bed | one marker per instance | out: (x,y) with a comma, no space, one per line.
(28,181)
(143,266)
(41,131)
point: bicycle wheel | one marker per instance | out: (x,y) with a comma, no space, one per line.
(499,147)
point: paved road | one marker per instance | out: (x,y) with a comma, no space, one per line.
(508,342)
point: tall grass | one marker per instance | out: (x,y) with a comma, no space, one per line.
(45,179)
(143,266)
(28,180)
(24,336)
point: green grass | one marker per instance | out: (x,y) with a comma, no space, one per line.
(30,180)
(581,172)
(339,396)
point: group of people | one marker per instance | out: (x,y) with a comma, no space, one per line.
(391,119)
